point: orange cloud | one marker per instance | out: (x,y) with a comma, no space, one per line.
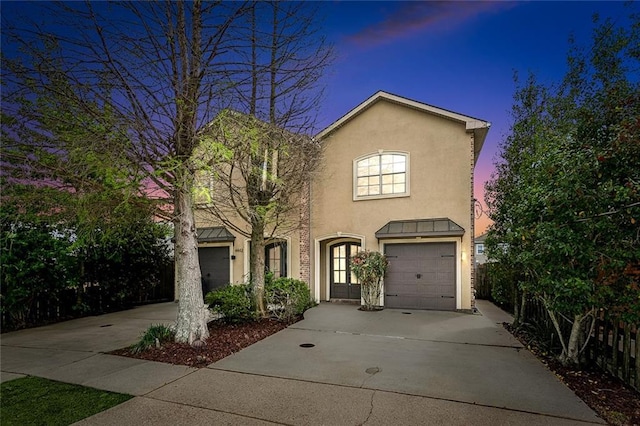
(419,16)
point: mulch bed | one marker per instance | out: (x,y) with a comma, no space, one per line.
(615,402)
(612,399)
(224,340)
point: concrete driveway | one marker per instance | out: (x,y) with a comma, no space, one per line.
(339,366)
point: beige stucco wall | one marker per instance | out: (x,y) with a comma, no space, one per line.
(240,248)
(441,155)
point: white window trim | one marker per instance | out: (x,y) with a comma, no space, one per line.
(459,261)
(354,183)
(247,252)
(221,244)
(317,245)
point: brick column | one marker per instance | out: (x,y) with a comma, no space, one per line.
(472,251)
(305,235)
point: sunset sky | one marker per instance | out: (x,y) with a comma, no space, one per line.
(456,55)
(459,56)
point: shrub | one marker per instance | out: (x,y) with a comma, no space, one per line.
(287,298)
(234,302)
(369,267)
(155,335)
(37,268)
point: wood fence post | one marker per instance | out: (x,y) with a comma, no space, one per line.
(637,383)
(626,353)
(614,352)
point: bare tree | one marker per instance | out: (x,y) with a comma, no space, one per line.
(258,185)
(151,72)
(264,181)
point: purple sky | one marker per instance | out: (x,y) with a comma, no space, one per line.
(459,56)
(456,55)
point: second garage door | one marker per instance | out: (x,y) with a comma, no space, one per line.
(214,266)
(421,276)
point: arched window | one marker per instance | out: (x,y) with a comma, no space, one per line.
(380,175)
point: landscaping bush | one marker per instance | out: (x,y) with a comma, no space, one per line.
(155,335)
(234,302)
(287,298)
(369,267)
(37,269)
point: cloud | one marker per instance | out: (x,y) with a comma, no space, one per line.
(419,16)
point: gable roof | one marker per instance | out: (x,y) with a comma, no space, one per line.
(479,127)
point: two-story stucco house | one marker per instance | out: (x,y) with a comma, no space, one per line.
(396,177)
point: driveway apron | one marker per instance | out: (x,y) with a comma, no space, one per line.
(441,355)
(339,366)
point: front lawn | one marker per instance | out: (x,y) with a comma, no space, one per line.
(37,401)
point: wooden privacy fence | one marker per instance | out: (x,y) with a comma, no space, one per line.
(482,282)
(613,345)
(68,303)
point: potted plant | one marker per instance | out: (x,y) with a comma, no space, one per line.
(369,267)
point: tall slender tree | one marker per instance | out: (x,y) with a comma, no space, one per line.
(262,188)
(151,73)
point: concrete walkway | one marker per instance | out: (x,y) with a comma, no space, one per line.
(353,368)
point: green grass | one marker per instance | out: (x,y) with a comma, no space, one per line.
(37,401)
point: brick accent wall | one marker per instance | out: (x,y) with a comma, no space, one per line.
(472,251)
(305,236)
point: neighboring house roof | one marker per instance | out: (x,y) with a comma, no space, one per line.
(215,234)
(480,239)
(441,227)
(479,127)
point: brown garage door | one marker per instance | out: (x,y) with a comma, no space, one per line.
(421,276)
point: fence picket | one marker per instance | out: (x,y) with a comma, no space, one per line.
(626,354)
(45,309)
(614,345)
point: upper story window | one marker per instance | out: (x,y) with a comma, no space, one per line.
(479,248)
(380,175)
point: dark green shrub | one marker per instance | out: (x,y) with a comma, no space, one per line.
(287,298)
(153,336)
(37,268)
(234,302)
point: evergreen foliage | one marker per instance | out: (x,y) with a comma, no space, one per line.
(565,197)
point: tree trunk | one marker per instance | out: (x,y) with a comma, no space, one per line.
(254,63)
(571,352)
(523,307)
(192,312)
(516,307)
(273,67)
(257,265)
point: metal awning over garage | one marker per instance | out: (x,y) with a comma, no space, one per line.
(441,227)
(215,234)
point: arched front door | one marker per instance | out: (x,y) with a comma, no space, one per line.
(344,284)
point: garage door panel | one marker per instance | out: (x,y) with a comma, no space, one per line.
(421,276)
(214,267)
